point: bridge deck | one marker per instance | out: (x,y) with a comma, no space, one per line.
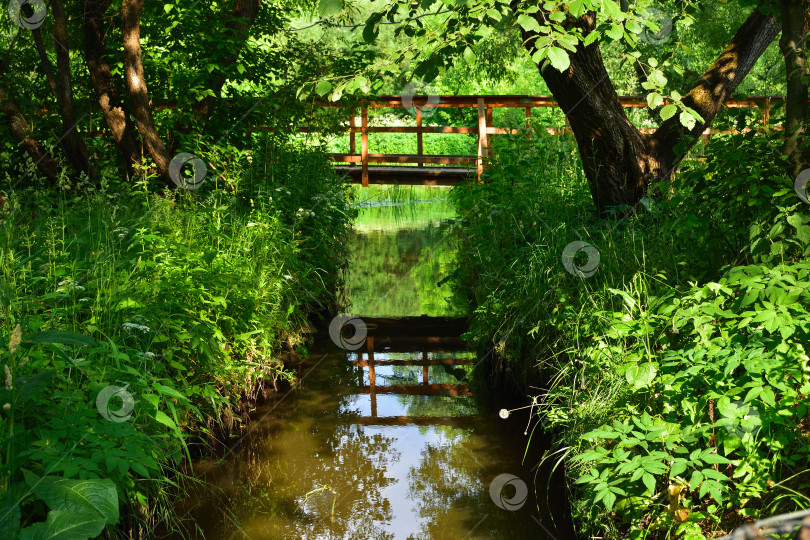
(423,176)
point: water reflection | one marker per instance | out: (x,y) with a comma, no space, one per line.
(395,440)
(400,254)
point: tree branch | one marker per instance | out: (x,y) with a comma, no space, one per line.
(112,107)
(717,83)
(73,143)
(238,25)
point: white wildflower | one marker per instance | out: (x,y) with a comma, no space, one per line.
(504,414)
(138,327)
(9,379)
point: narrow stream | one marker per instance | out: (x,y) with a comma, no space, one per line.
(397,439)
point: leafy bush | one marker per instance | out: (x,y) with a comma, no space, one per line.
(674,379)
(141,327)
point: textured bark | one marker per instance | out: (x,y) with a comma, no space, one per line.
(112,107)
(21,129)
(241,19)
(716,85)
(794,31)
(138,93)
(39,44)
(72,140)
(619,161)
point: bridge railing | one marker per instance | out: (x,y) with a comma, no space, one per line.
(484,129)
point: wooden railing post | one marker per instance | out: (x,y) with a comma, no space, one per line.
(490,123)
(425,374)
(482,136)
(372,379)
(352,138)
(419,151)
(767,113)
(364,145)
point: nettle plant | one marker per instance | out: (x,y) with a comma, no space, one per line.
(718,416)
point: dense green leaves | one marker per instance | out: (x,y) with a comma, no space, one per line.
(679,372)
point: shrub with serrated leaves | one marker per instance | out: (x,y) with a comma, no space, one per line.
(676,376)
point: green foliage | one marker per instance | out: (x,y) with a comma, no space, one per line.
(80,509)
(676,377)
(141,328)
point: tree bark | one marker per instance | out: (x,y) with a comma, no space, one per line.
(72,141)
(716,86)
(619,161)
(794,32)
(138,93)
(61,87)
(21,129)
(238,25)
(39,44)
(112,107)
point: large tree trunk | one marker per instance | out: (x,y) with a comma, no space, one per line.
(794,32)
(238,25)
(619,161)
(112,107)
(138,92)
(716,86)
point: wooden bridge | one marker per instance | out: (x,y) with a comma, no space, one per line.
(420,338)
(446,170)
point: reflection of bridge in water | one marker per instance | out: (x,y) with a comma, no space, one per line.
(416,342)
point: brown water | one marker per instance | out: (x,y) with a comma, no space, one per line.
(394,440)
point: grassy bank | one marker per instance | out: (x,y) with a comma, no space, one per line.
(137,326)
(673,364)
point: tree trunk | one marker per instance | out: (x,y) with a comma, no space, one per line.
(238,25)
(138,92)
(39,44)
(22,130)
(716,86)
(60,84)
(619,161)
(794,32)
(112,107)
(72,141)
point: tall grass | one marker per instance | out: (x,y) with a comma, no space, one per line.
(187,302)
